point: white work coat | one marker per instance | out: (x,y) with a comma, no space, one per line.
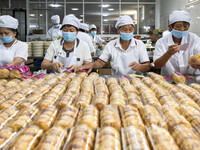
(85,37)
(179,61)
(120,59)
(18,49)
(54,33)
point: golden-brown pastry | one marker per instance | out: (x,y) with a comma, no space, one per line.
(66,117)
(49,76)
(99,80)
(83,99)
(123,81)
(117,99)
(12,101)
(7,115)
(100,100)
(43,89)
(89,115)
(194,60)
(101,88)
(152,117)
(28,139)
(12,83)
(4,73)
(23,118)
(59,89)
(82,137)
(66,99)
(53,81)
(161,137)
(49,100)
(134,139)
(186,138)
(2,88)
(130,116)
(61,76)
(192,93)
(111,81)
(109,117)
(108,138)
(32,100)
(25,82)
(172,117)
(177,78)
(3,82)
(46,118)
(169,100)
(8,92)
(94,75)
(195,86)
(53,139)
(6,135)
(134,100)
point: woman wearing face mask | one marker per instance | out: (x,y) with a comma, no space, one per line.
(95,38)
(12,51)
(173,50)
(54,32)
(126,54)
(69,52)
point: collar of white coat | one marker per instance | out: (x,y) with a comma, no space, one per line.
(118,44)
(171,41)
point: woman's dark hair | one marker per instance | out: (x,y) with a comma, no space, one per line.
(69,26)
(14,31)
(81,30)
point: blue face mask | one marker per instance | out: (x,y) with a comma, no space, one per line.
(56,26)
(93,33)
(179,34)
(126,36)
(7,39)
(69,36)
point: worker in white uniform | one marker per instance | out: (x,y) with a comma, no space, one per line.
(54,32)
(12,51)
(98,41)
(82,35)
(173,50)
(126,54)
(68,52)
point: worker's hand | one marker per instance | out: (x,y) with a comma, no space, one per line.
(195,66)
(172,49)
(88,67)
(60,37)
(56,66)
(135,66)
(74,68)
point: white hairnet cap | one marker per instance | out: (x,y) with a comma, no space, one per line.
(71,20)
(124,20)
(84,26)
(92,26)
(179,16)
(55,19)
(7,21)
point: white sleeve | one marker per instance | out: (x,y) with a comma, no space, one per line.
(158,50)
(143,52)
(22,51)
(99,39)
(50,52)
(197,47)
(87,54)
(106,55)
(90,44)
(48,34)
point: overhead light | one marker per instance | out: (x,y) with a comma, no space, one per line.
(54,5)
(105,5)
(41,15)
(192,6)
(80,19)
(75,9)
(81,15)
(110,9)
(105,15)
(105,20)
(32,15)
(198,17)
